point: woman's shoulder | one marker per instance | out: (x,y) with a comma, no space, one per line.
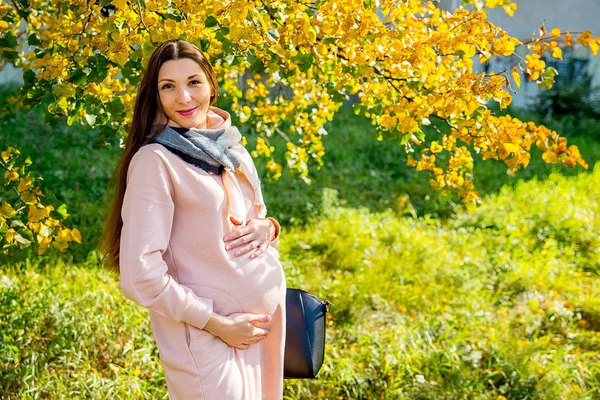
(150,165)
(151,153)
(151,159)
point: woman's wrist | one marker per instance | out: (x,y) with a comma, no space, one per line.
(215,324)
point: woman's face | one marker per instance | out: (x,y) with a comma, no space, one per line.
(184,93)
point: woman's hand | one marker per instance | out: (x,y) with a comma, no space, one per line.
(256,234)
(239,330)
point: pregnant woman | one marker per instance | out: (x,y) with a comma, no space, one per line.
(189,233)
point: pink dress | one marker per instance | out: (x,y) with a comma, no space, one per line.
(174,262)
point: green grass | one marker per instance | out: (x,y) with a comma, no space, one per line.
(488,304)
(500,302)
(68,333)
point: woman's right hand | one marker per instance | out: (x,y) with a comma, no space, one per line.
(239,330)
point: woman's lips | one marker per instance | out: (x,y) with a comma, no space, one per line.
(188,112)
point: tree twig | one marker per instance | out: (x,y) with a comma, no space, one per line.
(308,5)
(141,16)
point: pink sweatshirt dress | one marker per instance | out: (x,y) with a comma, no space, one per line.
(174,262)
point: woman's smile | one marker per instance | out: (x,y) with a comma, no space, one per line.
(187,112)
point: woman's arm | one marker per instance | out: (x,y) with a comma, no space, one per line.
(147,220)
(241,329)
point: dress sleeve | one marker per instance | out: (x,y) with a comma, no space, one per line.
(147,215)
(275,239)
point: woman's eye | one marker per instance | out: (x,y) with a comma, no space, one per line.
(195,82)
(167,86)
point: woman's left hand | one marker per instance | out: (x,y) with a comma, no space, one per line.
(256,234)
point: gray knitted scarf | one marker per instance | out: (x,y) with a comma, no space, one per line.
(205,148)
(218,151)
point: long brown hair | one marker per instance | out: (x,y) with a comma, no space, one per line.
(147,108)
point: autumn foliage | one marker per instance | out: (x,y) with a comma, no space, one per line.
(288,65)
(24,217)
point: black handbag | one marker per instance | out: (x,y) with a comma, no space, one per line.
(304,334)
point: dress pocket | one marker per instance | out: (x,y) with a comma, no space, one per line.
(205,347)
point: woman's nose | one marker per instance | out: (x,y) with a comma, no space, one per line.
(183,96)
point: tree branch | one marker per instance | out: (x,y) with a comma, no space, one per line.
(141,16)
(270,13)
(308,5)
(445,120)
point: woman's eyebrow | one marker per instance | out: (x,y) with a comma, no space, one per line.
(171,80)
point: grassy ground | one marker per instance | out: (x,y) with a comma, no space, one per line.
(500,302)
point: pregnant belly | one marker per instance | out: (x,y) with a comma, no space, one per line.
(255,286)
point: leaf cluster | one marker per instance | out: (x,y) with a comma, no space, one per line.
(24,219)
(287,66)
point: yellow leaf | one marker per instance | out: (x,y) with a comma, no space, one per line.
(120,4)
(510,9)
(7,211)
(257,39)
(36,214)
(517,77)
(63,235)
(76,236)
(28,197)
(549,157)
(60,245)
(568,38)
(34,226)
(52,222)
(411,162)
(274,169)
(10,235)
(436,147)
(557,53)
(24,184)
(11,175)
(512,148)
(43,243)
(6,154)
